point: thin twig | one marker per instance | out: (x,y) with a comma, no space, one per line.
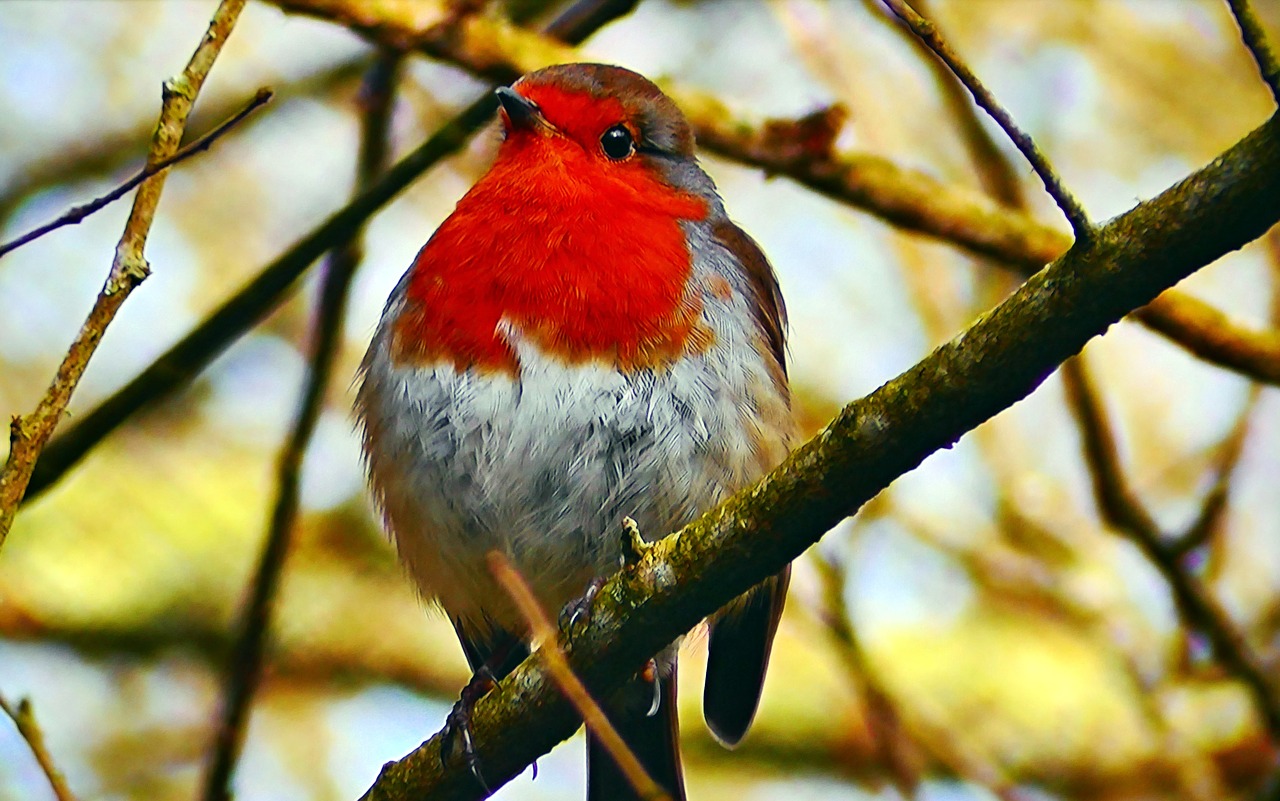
(552,656)
(995,172)
(899,734)
(28,435)
(1116,500)
(244,672)
(1256,40)
(77,214)
(1209,334)
(24,717)
(1215,503)
(928,33)
(182,362)
(1198,609)
(105,152)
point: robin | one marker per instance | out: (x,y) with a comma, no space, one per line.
(587,337)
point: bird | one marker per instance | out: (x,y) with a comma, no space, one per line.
(586,337)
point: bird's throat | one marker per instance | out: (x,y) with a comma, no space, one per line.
(581,263)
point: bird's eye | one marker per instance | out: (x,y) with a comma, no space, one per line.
(617,143)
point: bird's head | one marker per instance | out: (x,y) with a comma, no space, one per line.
(578,240)
(603,122)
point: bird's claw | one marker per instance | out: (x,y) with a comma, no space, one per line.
(457,726)
(650,674)
(578,611)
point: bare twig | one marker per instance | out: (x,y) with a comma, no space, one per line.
(244,672)
(995,172)
(1208,333)
(899,752)
(1214,505)
(929,34)
(105,152)
(77,214)
(1256,40)
(551,655)
(1116,500)
(129,268)
(24,717)
(1199,610)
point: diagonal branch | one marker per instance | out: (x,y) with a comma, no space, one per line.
(1197,607)
(28,435)
(999,360)
(995,172)
(1213,507)
(104,152)
(1254,39)
(177,366)
(77,214)
(1116,500)
(929,34)
(24,718)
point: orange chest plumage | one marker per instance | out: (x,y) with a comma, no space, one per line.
(586,264)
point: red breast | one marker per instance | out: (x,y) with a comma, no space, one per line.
(572,239)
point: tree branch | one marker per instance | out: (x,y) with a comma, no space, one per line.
(76,214)
(1254,39)
(1120,508)
(999,360)
(24,718)
(28,435)
(929,34)
(104,152)
(181,363)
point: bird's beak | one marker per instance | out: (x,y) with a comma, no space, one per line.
(521,113)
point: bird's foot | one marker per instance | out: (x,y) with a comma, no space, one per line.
(457,726)
(578,611)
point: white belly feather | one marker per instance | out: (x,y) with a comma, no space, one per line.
(544,465)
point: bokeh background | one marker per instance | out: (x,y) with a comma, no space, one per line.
(976,631)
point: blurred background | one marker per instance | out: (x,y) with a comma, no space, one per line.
(978,631)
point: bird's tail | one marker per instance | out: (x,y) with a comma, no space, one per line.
(653,738)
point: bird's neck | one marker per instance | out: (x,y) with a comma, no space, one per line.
(581,264)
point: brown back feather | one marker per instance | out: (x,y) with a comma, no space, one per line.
(770,311)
